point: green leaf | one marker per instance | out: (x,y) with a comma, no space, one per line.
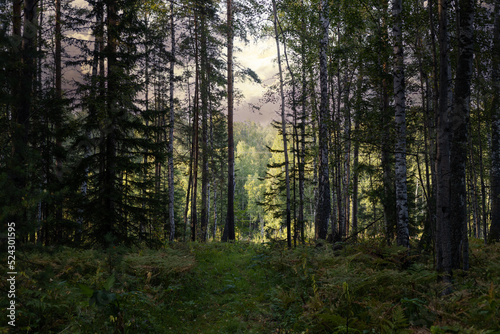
(87,291)
(109,283)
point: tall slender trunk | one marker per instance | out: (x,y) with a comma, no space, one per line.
(346,139)
(400,117)
(194,149)
(188,194)
(59,95)
(387,123)
(39,85)
(443,239)
(214,232)
(171,213)
(323,208)
(355,167)
(427,237)
(142,228)
(110,178)
(302,150)
(433,130)
(294,136)
(26,97)
(494,234)
(204,72)
(190,179)
(229,233)
(22,92)
(459,130)
(283,130)
(214,177)
(474,194)
(338,217)
(483,190)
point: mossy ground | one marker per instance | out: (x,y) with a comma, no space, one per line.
(252,288)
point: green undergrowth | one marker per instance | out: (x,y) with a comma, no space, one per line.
(252,288)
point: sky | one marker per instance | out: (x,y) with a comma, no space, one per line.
(259,56)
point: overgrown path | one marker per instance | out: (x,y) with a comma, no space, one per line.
(241,287)
(228,291)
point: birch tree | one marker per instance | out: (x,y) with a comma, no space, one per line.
(400,117)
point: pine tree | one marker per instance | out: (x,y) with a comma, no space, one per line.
(460,130)
(443,238)
(323,207)
(229,233)
(494,234)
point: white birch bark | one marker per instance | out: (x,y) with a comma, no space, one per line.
(400,118)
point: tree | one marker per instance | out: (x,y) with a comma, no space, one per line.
(229,228)
(495,131)
(460,130)
(399,101)
(171,212)
(283,130)
(23,57)
(323,206)
(205,79)
(443,238)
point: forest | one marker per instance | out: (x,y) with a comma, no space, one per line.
(133,202)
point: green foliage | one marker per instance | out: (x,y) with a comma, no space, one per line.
(86,291)
(251,288)
(251,158)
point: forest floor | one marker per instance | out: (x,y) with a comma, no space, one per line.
(251,288)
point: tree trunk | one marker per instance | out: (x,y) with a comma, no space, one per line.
(483,190)
(194,149)
(323,208)
(346,180)
(443,238)
(204,72)
(400,117)
(459,127)
(171,213)
(59,95)
(142,227)
(387,156)
(110,180)
(302,150)
(355,166)
(22,92)
(283,130)
(229,233)
(494,234)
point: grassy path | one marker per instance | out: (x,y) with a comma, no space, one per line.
(228,291)
(246,288)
